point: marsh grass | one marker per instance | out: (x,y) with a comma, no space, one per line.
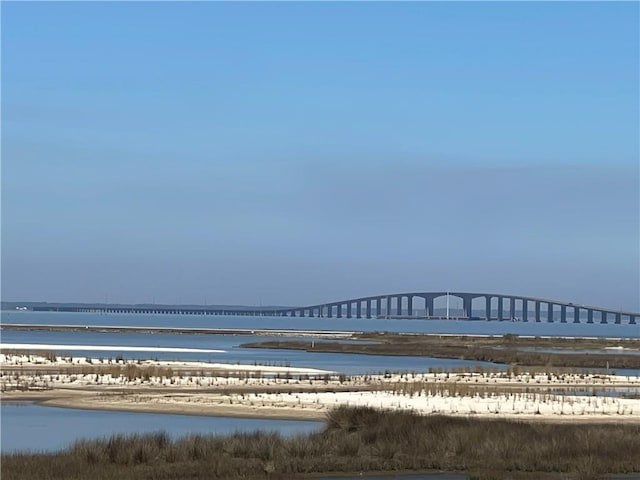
(353,440)
(508,349)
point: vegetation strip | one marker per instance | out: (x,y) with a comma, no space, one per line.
(353,440)
(508,349)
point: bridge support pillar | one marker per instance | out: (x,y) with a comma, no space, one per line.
(428,302)
(590,316)
(410,305)
(603,317)
(525,310)
(399,305)
(576,314)
(349,310)
(359,309)
(369,308)
(632,319)
(512,308)
(550,312)
(388,311)
(466,307)
(618,318)
(563,314)
(538,305)
(378,307)
(500,312)
(339,310)
(487,307)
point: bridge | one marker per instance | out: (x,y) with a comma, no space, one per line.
(415,305)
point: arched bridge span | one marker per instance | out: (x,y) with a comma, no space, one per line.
(467,305)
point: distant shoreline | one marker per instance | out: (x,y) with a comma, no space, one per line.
(273,332)
(179,330)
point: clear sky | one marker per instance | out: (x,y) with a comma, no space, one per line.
(294,153)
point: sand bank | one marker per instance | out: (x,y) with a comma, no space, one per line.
(337,334)
(101,348)
(11,361)
(297,392)
(315,405)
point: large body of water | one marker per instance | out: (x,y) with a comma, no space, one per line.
(474,327)
(44,428)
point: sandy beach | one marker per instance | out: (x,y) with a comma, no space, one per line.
(101,348)
(217,389)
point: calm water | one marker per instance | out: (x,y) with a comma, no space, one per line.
(27,426)
(339,362)
(397,325)
(233,353)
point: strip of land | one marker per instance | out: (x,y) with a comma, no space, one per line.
(102,348)
(508,349)
(178,330)
(295,392)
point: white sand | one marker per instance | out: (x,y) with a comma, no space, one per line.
(429,403)
(26,360)
(102,348)
(466,394)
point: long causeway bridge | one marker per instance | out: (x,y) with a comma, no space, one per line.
(416,305)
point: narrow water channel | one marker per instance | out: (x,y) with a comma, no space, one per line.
(29,426)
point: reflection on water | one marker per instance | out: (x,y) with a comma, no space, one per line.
(27,426)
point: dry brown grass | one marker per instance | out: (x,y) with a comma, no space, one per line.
(354,439)
(509,349)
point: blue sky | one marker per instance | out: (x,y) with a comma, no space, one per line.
(292,153)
